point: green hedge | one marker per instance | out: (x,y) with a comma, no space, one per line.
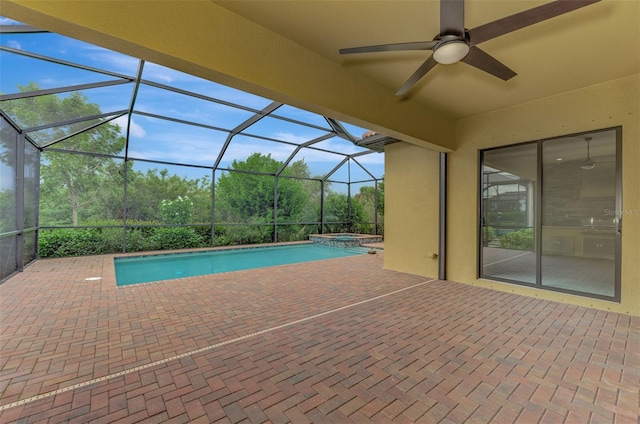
(520,240)
(175,238)
(96,241)
(63,242)
(69,242)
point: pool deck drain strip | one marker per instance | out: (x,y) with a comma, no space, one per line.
(203,349)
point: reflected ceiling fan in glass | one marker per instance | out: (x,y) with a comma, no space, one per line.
(588,162)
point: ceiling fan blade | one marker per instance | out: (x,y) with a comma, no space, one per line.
(417,75)
(452,17)
(416,45)
(485,62)
(523,19)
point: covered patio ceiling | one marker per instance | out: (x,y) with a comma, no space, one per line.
(593,44)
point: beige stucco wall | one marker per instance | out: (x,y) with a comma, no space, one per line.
(411,209)
(411,196)
(616,103)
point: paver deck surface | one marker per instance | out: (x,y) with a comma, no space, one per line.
(337,341)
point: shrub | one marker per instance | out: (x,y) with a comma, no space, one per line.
(488,233)
(174,238)
(204,231)
(136,240)
(520,240)
(238,235)
(64,242)
(69,242)
(111,239)
(178,211)
(336,228)
(364,228)
(222,241)
(220,234)
(295,232)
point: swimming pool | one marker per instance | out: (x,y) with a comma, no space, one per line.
(143,269)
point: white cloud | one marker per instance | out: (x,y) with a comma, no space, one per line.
(164,77)
(51,82)
(338,145)
(184,148)
(14,44)
(122,123)
(135,130)
(349,149)
(292,138)
(241,151)
(317,156)
(192,148)
(7,21)
(117,61)
(186,154)
(161,73)
(371,159)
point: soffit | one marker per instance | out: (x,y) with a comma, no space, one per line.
(598,43)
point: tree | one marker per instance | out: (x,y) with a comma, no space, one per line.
(78,176)
(381,197)
(367,198)
(246,197)
(336,209)
(147,190)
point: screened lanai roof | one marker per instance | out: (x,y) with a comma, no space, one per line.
(170,117)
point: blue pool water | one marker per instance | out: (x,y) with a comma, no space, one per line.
(142,269)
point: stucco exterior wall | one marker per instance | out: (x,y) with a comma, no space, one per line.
(411,186)
(411,209)
(615,103)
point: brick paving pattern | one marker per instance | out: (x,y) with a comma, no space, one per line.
(333,341)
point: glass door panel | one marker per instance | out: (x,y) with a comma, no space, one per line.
(579,224)
(508,207)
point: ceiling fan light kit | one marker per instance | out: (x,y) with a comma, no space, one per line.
(588,164)
(451,52)
(455,43)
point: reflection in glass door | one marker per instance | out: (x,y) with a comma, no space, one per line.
(508,202)
(548,214)
(578,223)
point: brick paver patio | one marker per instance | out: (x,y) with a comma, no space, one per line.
(332,341)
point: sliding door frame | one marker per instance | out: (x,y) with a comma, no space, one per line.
(618,220)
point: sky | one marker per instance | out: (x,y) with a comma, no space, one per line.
(162,140)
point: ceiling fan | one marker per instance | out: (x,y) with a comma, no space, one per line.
(455,43)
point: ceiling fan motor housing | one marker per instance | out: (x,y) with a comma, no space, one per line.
(452,49)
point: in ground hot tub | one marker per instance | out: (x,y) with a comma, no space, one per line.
(344,239)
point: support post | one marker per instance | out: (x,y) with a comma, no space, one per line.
(442,230)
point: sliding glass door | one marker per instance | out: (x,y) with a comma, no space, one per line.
(549,214)
(509,181)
